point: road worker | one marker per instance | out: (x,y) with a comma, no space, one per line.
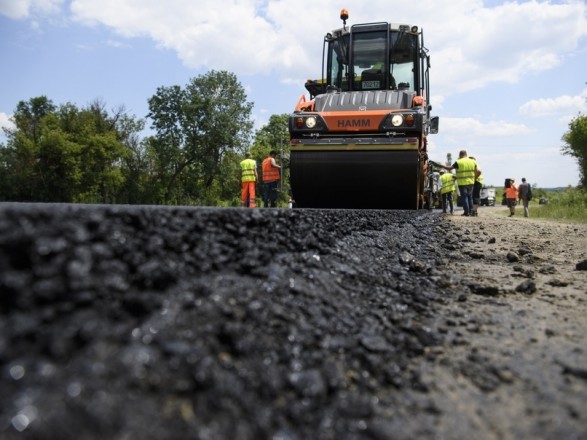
(270,179)
(511,195)
(249,179)
(447,182)
(466,174)
(525,194)
(477,189)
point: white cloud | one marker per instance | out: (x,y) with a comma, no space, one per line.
(234,37)
(504,43)
(117,44)
(12,9)
(5,122)
(471,45)
(17,9)
(473,128)
(564,105)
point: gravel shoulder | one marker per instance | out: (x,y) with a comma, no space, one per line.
(520,336)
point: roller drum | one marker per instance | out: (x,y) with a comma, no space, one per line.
(355,179)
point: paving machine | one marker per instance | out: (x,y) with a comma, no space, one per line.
(360,140)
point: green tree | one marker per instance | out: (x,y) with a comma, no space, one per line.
(196,129)
(101,154)
(62,154)
(19,174)
(28,116)
(576,145)
(273,136)
(136,166)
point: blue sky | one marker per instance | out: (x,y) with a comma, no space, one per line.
(507,76)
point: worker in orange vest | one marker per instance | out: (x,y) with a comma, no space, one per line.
(270,179)
(511,195)
(249,180)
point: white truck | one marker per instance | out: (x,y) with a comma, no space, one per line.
(487,196)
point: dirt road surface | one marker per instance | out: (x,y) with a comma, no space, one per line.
(127,322)
(524,354)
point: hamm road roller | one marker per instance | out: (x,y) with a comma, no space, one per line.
(359,141)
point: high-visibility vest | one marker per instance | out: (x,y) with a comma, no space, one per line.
(479,179)
(511,192)
(270,173)
(248,170)
(466,171)
(447,180)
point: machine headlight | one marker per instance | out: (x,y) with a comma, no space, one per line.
(310,122)
(397,120)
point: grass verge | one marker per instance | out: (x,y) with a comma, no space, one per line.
(569,205)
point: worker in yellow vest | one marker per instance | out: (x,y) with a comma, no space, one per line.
(466,175)
(447,182)
(249,179)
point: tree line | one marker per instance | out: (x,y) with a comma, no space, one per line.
(70,154)
(64,153)
(575,145)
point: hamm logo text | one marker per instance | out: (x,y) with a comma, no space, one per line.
(350,123)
